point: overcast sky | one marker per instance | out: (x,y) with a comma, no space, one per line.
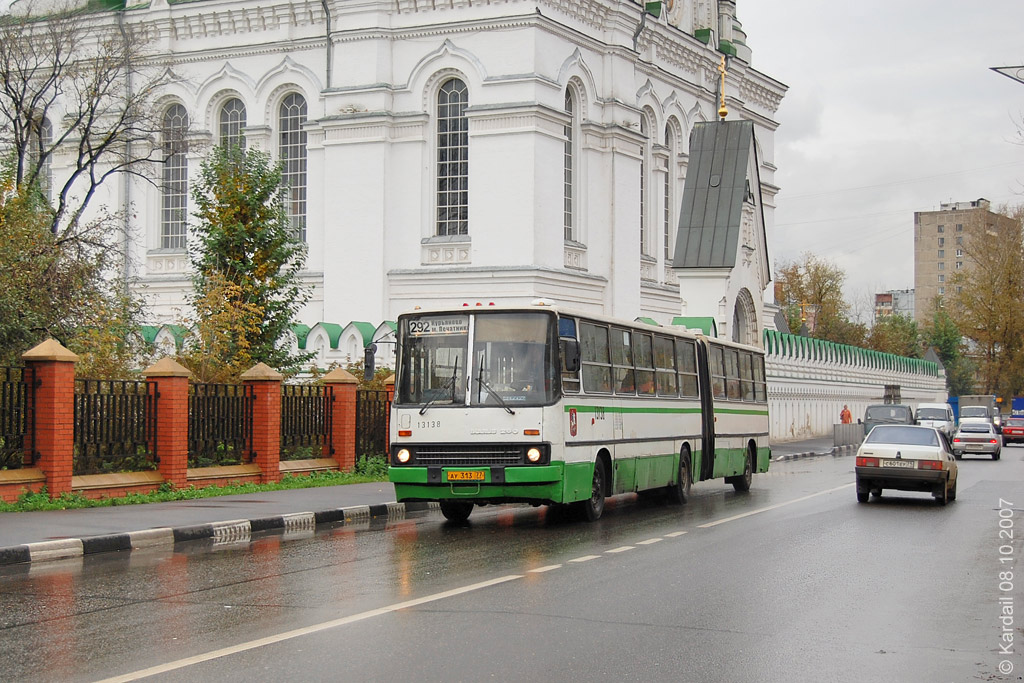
(891,109)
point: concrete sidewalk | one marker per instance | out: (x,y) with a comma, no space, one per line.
(57,534)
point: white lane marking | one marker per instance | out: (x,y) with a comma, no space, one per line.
(585,558)
(675,534)
(620,549)
(299,632)
(773,507)
(541,570)
(649,541)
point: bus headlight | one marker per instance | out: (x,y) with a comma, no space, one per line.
(533,455)
(403,455)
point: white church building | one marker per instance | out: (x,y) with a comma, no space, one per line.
(448,151)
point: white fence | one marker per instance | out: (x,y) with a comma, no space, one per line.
(809,382)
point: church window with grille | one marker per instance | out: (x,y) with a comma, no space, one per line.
(452,159)
(292,152)
(174,204)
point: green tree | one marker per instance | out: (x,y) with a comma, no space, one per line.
(897,334)
(62,286)
(245,254)
(819,283)
(986,296)
(942,334)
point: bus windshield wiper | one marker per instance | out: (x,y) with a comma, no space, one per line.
(481,383)
(444,387)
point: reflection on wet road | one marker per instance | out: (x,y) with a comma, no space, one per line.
(112,614)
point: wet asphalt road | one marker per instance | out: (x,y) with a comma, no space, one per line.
(794,581)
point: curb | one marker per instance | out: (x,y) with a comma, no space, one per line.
(232,531)
(836,452)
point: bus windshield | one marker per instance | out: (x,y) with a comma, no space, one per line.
(513,361)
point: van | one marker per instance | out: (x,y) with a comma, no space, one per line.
(889,414)
(938,415)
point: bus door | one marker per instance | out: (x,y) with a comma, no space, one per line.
(707,412)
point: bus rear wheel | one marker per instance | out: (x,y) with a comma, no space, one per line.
(456,510)
(742,482)
(592,508)
(680,491)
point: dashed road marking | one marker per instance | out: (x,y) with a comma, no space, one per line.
(541,570)
(621,549)
(674,534)
(585,558)
(649,541)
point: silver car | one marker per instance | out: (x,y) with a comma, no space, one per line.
(978,438)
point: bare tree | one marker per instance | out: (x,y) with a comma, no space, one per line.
(76,83)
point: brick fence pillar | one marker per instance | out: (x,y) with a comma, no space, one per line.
(344,417)
(54,404)
(389,387)
(266,419)
(171,380)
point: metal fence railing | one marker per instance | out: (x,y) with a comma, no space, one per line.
(115,426)
(219,424)
(16,418)
(371,422)
(306,421)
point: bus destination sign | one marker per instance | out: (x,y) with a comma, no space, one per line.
(425,327)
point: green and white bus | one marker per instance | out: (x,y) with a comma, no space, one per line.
(539,404)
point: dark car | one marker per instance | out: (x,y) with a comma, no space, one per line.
(888,414)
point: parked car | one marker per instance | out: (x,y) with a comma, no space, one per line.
(887,413)
(978,437)
(906,458)
(938,415)
(1013,430)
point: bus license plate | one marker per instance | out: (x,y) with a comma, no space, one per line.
(465,475)
(899,463)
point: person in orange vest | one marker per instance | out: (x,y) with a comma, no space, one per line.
(845,416)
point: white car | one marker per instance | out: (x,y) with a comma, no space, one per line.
(938,415)
(978,438)
(906,458)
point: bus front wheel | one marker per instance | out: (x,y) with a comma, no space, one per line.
(592,508)
(456,510)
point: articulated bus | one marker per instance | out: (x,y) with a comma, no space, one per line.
(542,405)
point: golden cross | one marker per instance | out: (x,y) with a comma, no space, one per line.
(722,111)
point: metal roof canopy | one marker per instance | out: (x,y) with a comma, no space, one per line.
(714,192)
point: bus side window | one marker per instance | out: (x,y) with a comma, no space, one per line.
(569,355)
(597,374)
(644,365)
(732,374)
(686,362)
(747,375)
(760,391)
(716,355)
(622,362)
(665,366)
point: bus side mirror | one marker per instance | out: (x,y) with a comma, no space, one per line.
(570,354)
(368,361)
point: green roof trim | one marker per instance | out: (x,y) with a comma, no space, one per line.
(301,332)
(367,330)
(334,331)
(149,333)
(781,344)
(705,324)
(703,35)
(647,321)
